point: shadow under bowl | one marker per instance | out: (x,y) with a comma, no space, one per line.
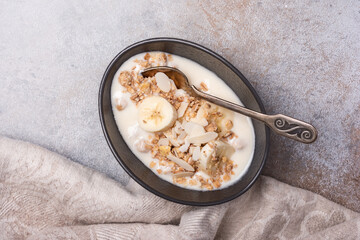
(141,173)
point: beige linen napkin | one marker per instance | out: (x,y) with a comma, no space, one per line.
(46,196)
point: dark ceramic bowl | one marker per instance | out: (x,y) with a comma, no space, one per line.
(141,173)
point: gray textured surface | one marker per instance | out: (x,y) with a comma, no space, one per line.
(303,58)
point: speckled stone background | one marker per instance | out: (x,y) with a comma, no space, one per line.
(303,58)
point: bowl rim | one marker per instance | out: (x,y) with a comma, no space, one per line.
(232,68)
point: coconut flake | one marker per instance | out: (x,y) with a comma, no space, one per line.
(163,142)
(174,142)
(177,127)
(182,135)
(196,153)
(133,131)
(181,138)
(182,109)
(163,82)
(165,169)
(140,145)
(204,138)
(173,132)
(171,139)
(180,162)
(120,100)
(185,146)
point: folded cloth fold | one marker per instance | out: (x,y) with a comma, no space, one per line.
(46,196)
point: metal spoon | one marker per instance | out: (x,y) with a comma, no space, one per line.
(280,124)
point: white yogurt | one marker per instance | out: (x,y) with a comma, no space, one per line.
(126,119)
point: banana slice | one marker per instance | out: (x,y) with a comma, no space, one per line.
(206,154)
(156,114)
(224,149)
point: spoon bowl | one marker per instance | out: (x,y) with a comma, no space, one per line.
(179,78)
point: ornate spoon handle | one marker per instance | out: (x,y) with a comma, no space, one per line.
(280,124)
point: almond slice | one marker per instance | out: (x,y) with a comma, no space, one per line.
(201,121)
(183,174)
(180,162)
(193,129)
(201,115)
(204,138)
(163,82)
